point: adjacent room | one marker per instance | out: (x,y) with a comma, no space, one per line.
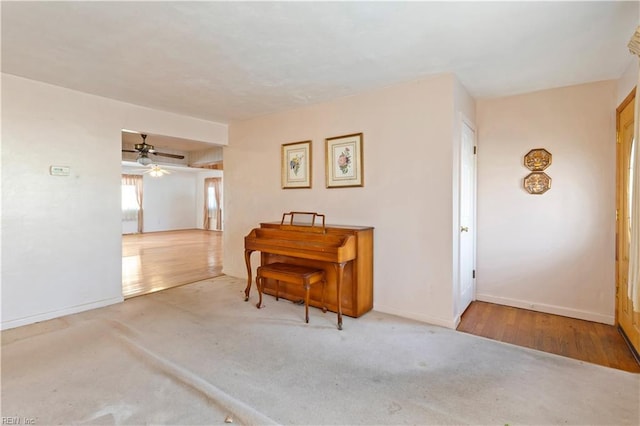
(171,212)
(320,213)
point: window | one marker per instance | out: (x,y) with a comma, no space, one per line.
(132,199)
(129,203)
(213,204)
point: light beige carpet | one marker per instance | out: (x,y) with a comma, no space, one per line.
(198,354)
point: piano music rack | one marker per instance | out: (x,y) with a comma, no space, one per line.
(292,226)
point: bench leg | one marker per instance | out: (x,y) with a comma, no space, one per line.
(277,289)
(259,284)
(306,303)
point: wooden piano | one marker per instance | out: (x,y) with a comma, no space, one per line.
(344,252)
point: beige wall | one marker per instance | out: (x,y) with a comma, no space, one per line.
(553,252)
(410,153)
(407,194)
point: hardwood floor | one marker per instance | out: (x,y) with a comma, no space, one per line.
(583,340)
(159,260)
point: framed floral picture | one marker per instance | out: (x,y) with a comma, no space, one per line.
(296,165)
(344,165)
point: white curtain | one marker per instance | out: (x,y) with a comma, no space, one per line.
(133,213)
(212,204)
(217,194)
(634,246)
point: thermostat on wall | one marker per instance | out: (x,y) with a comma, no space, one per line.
(59,170)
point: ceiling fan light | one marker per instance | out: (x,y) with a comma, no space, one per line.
(144,159)
(157,171)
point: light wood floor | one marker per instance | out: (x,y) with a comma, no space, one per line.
(159,260)
(584,340)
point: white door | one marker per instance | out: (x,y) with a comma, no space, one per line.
(467,233)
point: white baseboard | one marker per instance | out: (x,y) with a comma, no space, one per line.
(548,309)
(59,313)
(416,316)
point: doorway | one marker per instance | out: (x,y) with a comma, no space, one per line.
(628,319)
(170,247)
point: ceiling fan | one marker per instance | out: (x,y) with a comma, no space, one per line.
(144,149)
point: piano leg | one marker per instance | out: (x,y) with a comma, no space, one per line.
(339,273)
(247,260)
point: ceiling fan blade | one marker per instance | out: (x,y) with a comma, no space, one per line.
(129,150)
(144,149)
(164,154)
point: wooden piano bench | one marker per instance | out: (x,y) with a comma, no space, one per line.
(293,274)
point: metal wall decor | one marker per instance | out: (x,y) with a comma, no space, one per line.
(537,159)
(537,182)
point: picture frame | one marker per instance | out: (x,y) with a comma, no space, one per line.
(343,158)
(296,165)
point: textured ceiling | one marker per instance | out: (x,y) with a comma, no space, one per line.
(224,61)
